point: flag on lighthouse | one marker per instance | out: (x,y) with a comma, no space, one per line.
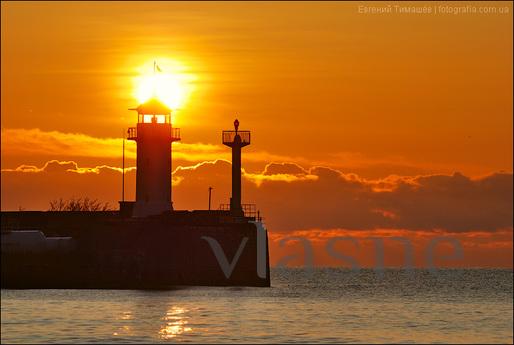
(156,67)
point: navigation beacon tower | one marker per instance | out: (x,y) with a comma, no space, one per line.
(236,140)
(154,135)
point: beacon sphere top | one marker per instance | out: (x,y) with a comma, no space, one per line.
(152,107)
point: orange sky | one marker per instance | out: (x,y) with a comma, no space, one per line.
(319,84)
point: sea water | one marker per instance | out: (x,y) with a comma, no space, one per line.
(322,305)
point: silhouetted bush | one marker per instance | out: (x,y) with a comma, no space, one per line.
(78,204)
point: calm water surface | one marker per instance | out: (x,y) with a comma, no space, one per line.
(326,305)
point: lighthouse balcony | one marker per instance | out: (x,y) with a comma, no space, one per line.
(132,134)
(229,136)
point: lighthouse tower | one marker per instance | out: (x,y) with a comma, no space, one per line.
(236,140)
(154,135)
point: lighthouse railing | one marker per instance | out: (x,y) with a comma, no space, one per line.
(132,133)
(249,210)
(228,136)
(175,134)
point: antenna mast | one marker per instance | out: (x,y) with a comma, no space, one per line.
(123,169)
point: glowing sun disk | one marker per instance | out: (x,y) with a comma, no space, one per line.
(167,88)
(171,88)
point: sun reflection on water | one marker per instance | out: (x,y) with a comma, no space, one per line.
(126,329)
(175,323)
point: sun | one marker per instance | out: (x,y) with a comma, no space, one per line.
(169,82)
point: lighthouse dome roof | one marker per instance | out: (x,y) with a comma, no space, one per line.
(153,107)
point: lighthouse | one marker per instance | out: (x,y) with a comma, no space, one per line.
(236,139)
(154,136)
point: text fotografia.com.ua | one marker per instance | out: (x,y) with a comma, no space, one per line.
(435,9)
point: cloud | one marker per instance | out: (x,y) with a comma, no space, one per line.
(296,198)
(285,172)
(34,141)
(284,168)
(55,166)
(292,197)
(19,141)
